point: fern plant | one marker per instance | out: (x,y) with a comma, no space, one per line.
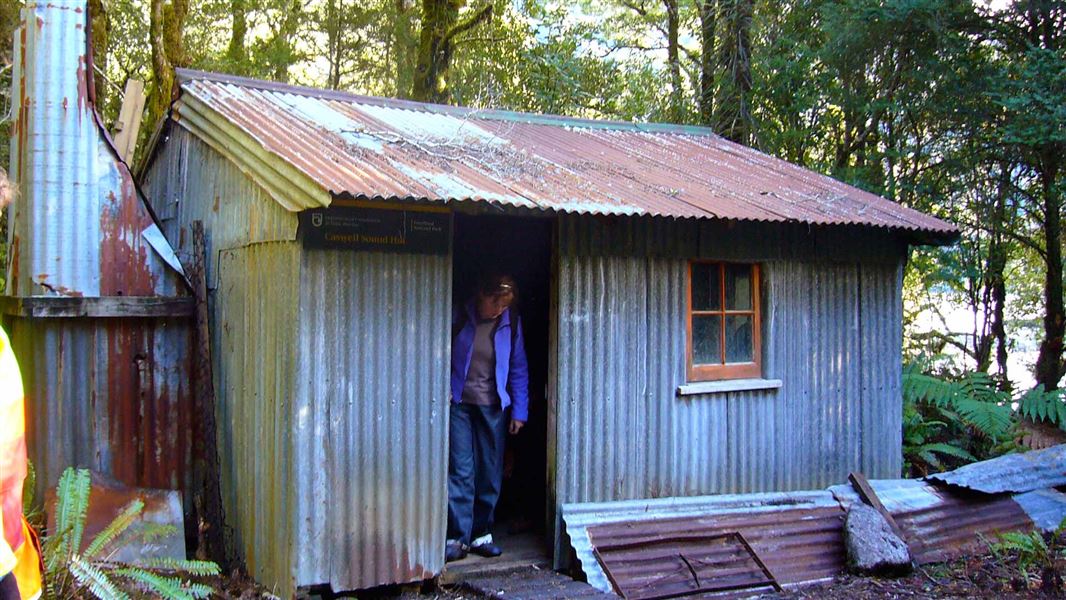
(948,422)
(1039,405)
(1033,549)
(73,572)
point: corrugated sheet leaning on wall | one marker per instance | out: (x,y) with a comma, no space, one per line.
(831,331)
(107,393)
(372,398)
(339,433)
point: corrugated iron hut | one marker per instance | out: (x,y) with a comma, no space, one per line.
(701,318)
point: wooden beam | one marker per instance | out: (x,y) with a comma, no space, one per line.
(129,119)
(205,447)
(869,496)
(67,307)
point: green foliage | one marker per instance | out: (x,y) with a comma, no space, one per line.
(69,571)
(1031,550)
(1047,406)
(948,422)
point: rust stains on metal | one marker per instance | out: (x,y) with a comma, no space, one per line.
(307,145)
(686,565)
(959,525)
(797,545)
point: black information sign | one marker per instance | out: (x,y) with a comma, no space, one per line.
(364,228)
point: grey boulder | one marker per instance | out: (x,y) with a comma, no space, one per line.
(872,547)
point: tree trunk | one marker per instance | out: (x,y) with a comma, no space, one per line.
(284,39)
(440,26)
(236,53)
(673,55)
(100,28)
(1049,366)
(174,32)
(708,14)
(403,48)
(733,119)
(162,69)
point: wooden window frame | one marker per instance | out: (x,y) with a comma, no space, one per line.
(714,372)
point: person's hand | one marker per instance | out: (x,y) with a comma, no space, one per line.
(516,426)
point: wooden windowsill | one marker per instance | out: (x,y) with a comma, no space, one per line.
(727,385)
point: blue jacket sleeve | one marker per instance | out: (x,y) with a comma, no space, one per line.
(518,376)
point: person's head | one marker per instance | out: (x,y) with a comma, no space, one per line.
(7,193)
(494,295)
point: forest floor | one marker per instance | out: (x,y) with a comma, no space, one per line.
(972,577)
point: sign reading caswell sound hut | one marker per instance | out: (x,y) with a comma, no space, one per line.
(425,231)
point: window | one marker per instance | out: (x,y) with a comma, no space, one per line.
(723,321)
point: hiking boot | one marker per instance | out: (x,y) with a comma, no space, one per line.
(453,551)
(483,546)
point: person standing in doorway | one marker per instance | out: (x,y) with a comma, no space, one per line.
(489,375)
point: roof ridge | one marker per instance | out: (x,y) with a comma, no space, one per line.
(490,114)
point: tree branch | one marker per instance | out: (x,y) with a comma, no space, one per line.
(480,16)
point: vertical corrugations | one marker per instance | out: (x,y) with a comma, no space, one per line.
(371,400)
(831,334)
(189,181)
(258,299)
(112,394)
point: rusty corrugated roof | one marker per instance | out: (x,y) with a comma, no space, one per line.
(307,146)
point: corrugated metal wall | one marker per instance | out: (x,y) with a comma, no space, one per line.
(258,302)
(108,394)
(332,375)
(113,394)
(372,406)
(832,334)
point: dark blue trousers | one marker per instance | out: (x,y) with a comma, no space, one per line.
(476,437)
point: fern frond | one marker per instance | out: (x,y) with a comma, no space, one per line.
(95,580)
(152,532)
(992,420)
(75,508)
(171,588)
(72,502)
(115,528)
(198,568)
(949,450)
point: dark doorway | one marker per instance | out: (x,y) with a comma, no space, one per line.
(522,248)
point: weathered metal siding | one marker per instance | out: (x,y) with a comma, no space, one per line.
(258,301)
(189,181)
(112,394)
(832,334)
(371,418)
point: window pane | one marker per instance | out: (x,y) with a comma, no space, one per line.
(738,339)
(706,293)
(706,340)
(738,287)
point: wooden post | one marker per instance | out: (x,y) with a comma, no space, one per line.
(205,446)
(869,496)
(129,119)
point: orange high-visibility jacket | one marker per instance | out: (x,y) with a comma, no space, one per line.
(18,551)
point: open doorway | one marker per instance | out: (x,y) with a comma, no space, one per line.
(522,248)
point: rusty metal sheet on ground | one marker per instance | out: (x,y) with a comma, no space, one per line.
(797,546)
(685,565)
